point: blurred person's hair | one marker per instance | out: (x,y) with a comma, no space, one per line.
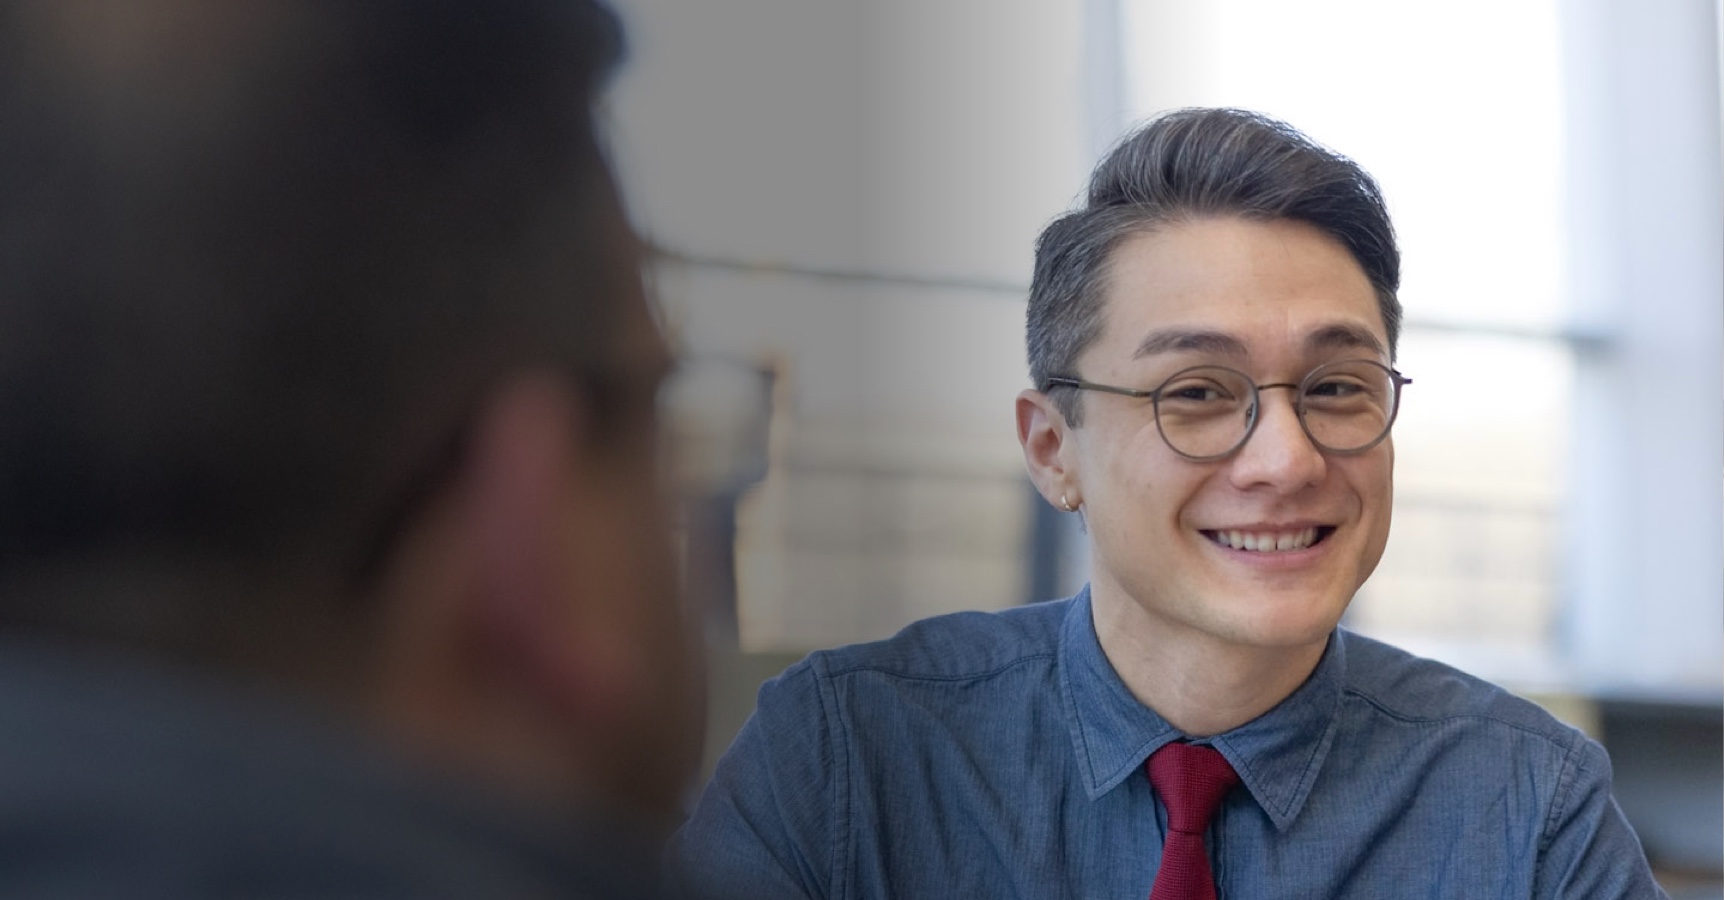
(1184,165)
(258,261)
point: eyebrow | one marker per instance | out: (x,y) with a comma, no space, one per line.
(1344,337)
(1173,340)
(1179,340)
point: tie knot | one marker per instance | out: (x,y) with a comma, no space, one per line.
(1191,781)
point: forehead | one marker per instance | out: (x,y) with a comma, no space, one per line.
(1232,286)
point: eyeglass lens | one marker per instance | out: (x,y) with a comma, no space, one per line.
(1209,411)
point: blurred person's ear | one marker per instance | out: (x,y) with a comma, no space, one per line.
(545,594)
(545,639)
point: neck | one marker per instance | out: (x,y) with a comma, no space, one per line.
(1201,684)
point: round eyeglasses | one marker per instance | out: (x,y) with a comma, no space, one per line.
(1208,412)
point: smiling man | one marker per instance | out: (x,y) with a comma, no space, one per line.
(1212,340)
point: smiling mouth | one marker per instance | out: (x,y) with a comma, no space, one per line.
(1269,541)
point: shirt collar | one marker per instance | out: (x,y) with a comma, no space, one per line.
(1277,755)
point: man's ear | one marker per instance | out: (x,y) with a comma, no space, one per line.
(571,614)
(537,607)
(1048,450)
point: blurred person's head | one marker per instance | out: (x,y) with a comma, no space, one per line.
(1224,306)
(325,359)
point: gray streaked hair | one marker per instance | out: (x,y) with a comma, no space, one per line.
(1192,163)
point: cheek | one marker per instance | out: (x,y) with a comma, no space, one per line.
(1377,482)
(1372,479)
(1147,494)
(1130,459)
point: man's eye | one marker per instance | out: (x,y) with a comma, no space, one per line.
(1196,392)
(1335,387)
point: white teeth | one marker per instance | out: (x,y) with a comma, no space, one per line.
(1267,540)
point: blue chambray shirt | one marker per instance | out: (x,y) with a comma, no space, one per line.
(999,755)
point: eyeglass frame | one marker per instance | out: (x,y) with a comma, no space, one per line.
(1154,396)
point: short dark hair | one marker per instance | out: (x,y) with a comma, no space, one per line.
(257,262)
(1190,163)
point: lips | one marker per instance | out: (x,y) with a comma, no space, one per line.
(1269,540)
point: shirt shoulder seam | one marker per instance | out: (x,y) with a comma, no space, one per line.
(835,750)
(1554,738)
(1565,782)
(873,668)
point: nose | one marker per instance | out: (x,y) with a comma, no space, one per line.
(1278,454)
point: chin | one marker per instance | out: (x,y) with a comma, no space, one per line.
(1284,623)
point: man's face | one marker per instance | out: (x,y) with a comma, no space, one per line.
(1274,300)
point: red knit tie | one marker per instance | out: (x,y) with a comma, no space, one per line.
(1191,781)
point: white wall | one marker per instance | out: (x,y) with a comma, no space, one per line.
(1647,233)
(853,189)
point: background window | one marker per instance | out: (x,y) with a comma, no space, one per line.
(1541,448)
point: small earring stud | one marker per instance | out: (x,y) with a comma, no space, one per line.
(1067,504)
